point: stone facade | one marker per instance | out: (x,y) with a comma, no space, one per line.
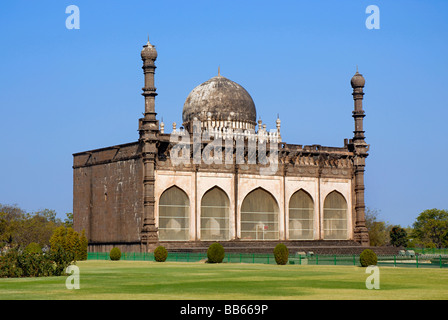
(107,195)
(117,190)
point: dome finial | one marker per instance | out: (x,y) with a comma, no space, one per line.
(219,70)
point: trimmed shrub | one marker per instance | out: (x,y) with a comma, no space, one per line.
(115,254)
(281,254)
(215,253)
(160,254)
(368,258)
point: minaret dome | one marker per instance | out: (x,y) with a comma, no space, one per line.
(149,52)
(358,80)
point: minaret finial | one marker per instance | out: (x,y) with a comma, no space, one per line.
(219,70)
(357,69)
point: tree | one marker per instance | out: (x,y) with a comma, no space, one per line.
(378,230)
(73,243)
(398,237)
(431,228)
(412,243)
(34,228)
(68,222)
(59,238)
(10,215)
(6,230)
(49,215)
(70,240)
(19,228)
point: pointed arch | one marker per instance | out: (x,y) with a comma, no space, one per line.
(174,214)
(259,216)
(335,216)
(301,216)
(215,213)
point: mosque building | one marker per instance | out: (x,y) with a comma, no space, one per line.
(221,176)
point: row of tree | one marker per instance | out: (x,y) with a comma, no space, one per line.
(19,229)
(430,230)
(41,230)
(38,244)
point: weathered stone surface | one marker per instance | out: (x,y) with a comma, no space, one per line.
(220,99)
(107,193)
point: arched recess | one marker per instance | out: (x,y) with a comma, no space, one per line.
(335,217)
(174,215)
(215,212)
(301,216)
(259,216)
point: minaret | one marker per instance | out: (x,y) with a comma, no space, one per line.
(360,149)
(149,56)
(149,130)
(278,122)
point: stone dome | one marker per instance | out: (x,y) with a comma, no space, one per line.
(149,52)
(357,80)
(219,99)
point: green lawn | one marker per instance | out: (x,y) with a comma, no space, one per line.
(121,280)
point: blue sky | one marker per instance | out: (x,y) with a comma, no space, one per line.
(64,91)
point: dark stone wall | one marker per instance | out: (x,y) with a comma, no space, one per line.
(107,195)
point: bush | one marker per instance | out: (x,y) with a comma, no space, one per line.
(215,253)
(368,258)
(61,259)
(115,254)
(33,247)
(160,254)
(281,254)
(16,263)
(9,264)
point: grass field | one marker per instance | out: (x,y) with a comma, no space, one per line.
(121,280)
